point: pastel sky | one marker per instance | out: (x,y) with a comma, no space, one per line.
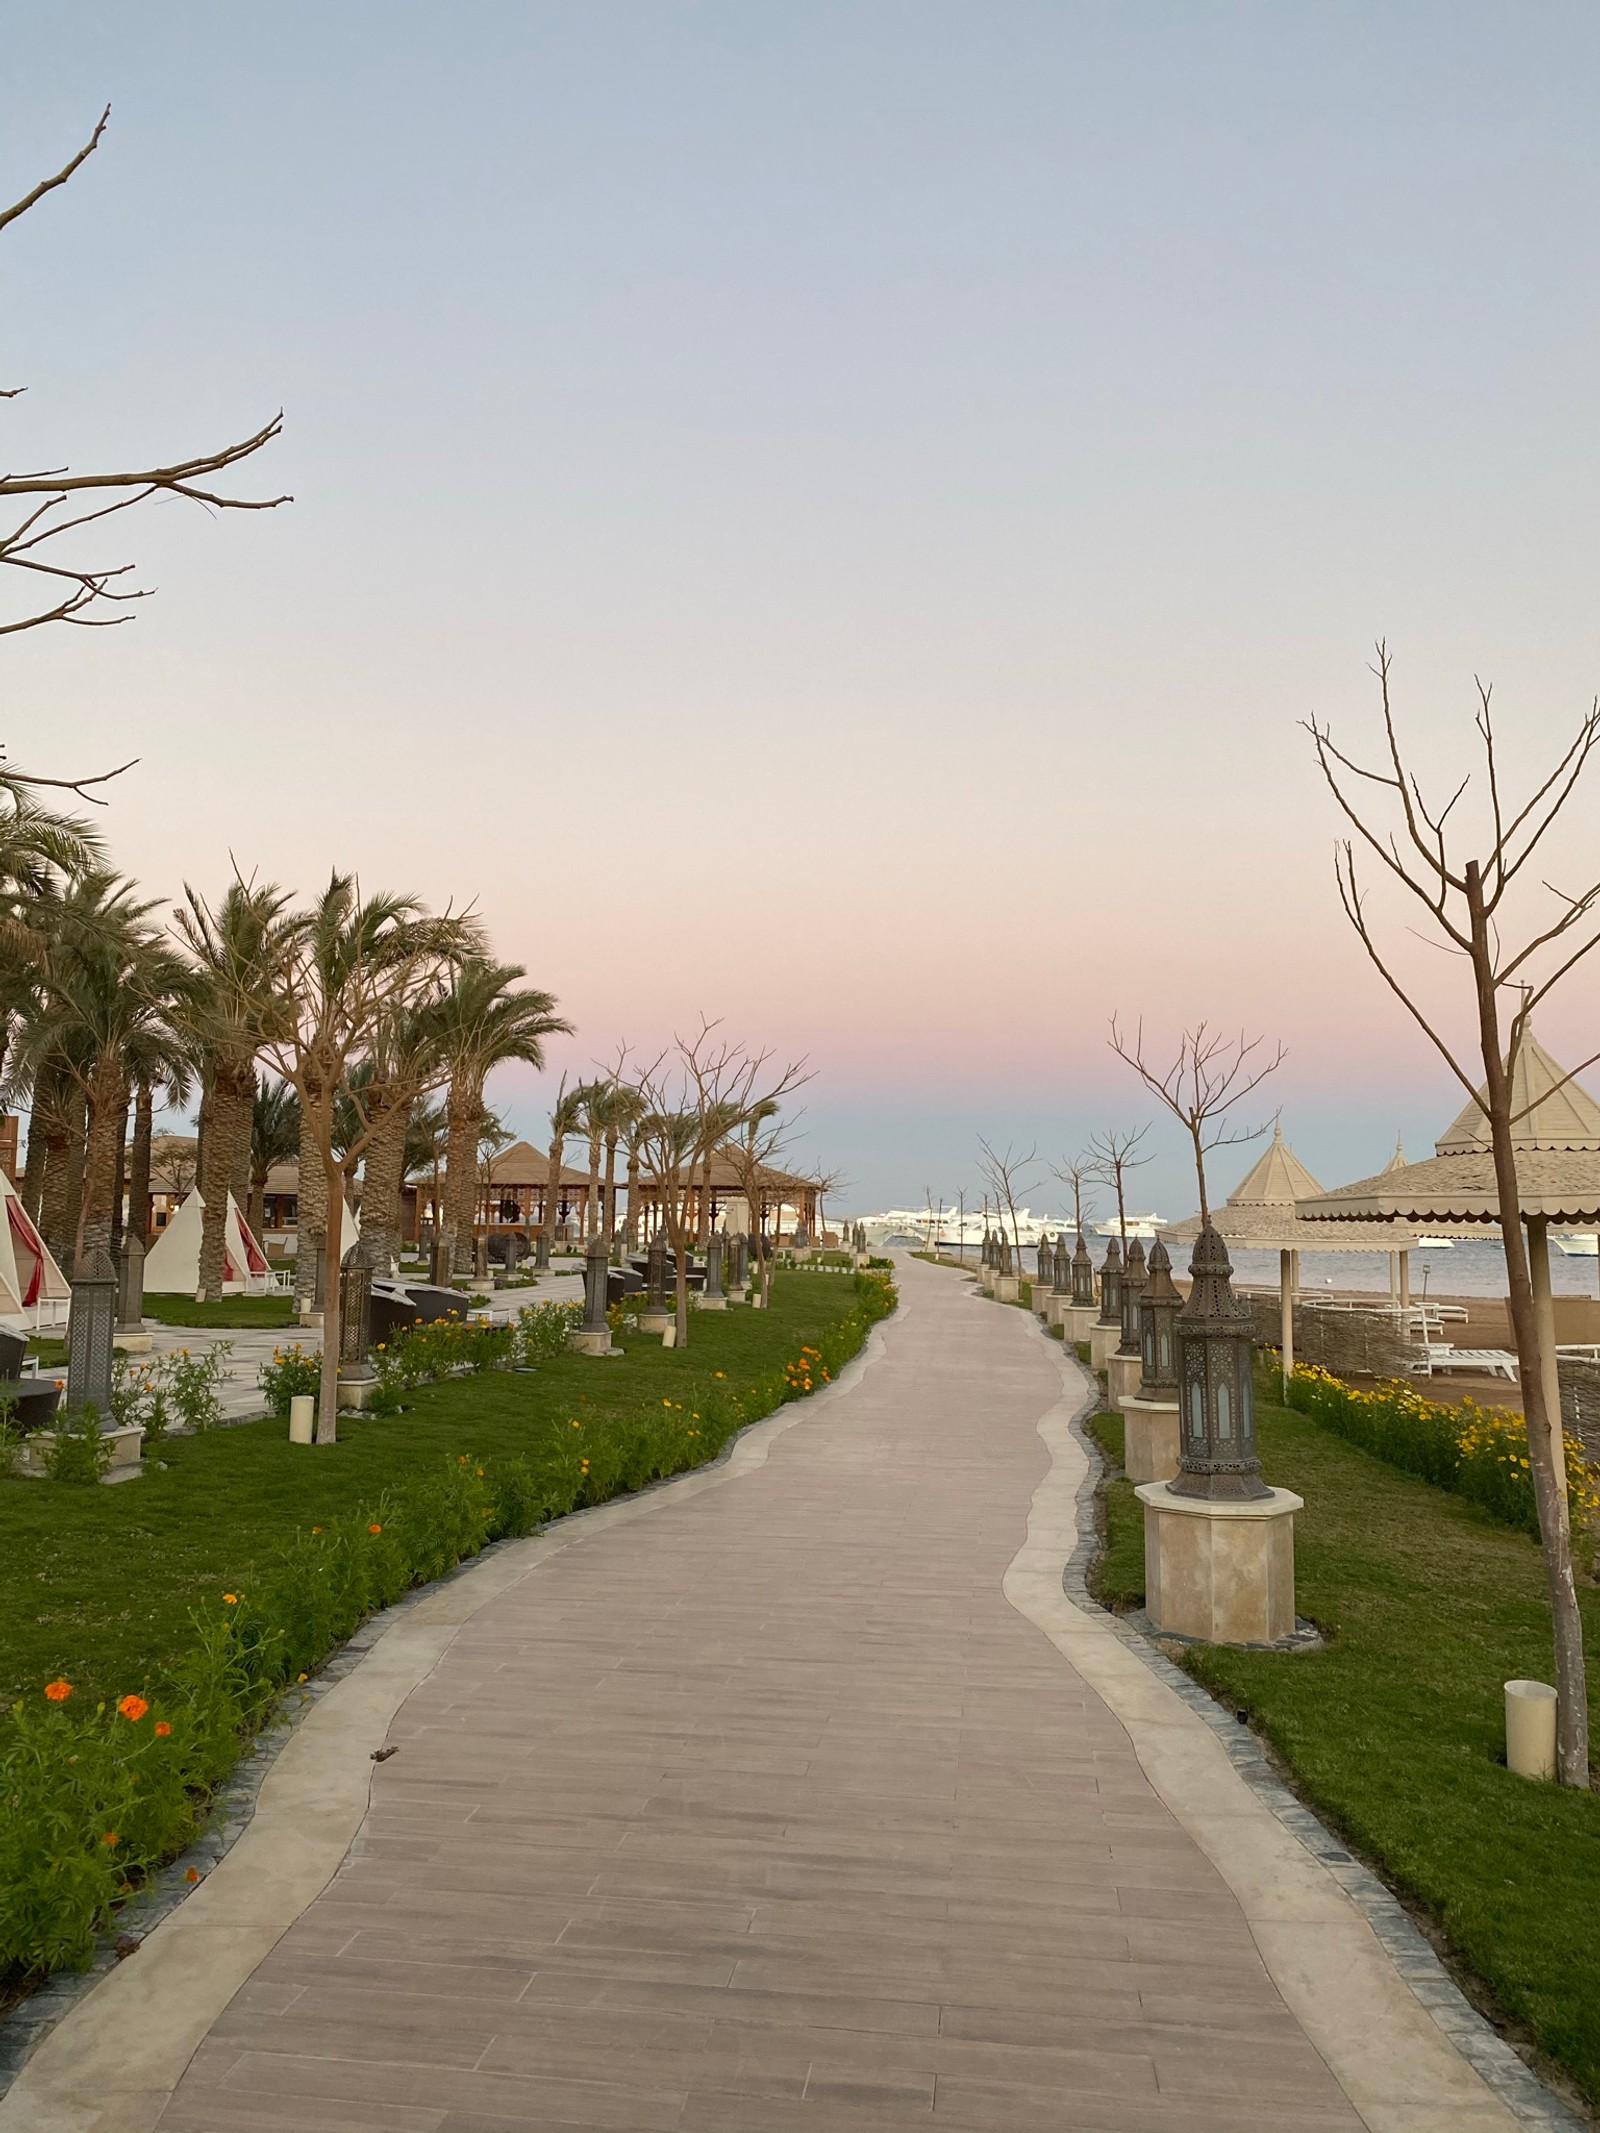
(831,514)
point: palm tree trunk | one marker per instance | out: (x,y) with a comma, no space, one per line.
(255,1206)
(633,1199)
(609,1203)
(72,1176)
(119,1190)
(381,1175)
(239,1180)
(139,1165)
(554,1161)
(591,1209)
(232,1095)
(332,1182)
(464,1110)
(108,1110)
(311,1215)
(33,1167)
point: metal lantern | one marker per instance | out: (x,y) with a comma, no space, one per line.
(1111,1285)
(1216,1384)
(714,1265)
(1159,1305)
(1047,1261)
(741,1260)
(1061,1272)
(1082,1274)
(1128,1299)
(130,1286)
(596,1269)
(656,1272)
(91,1321)
(1005,1255)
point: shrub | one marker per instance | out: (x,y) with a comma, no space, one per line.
(292,1372)
(1477,1452)
(79,1453)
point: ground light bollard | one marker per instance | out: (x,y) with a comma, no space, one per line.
(1125,1365)
(302,1418)
(1079,1308)
(91,1323)
(312,1241)
(1218,1541)
(712,1298)
(1106,1331)
(1531,1729)
(1150,1410)
(655,1317)
(593,1337)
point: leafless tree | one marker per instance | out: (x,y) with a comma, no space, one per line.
(1113,1156)
(1466,903)
(1208,1076)
(1008,1174)
(50,503)
(1077,1174)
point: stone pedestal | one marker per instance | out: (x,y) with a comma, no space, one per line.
(738,1291)
(861,1258)
(125,1444)
(713,1303)
(1104,1341)
(1076,1319)
(1124,1374)
(309,1316)
(1150,1438)
(1005,1288)
(586,1340)
(657,1321)
(133,1343)
(1220,1573)
(356,1391)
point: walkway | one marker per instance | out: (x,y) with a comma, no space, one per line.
(765,1808)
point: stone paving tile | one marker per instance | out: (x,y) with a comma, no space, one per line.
(767,1811)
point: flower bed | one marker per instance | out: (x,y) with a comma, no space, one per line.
(1477,1452)
(91,1799)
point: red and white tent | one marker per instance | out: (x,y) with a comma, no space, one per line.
(172,1265)
(33,1290)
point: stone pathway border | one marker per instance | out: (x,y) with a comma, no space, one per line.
(1510,2077)
(100,2051)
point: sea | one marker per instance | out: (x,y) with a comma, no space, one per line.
(1476,1268)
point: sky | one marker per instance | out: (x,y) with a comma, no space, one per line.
(833,516)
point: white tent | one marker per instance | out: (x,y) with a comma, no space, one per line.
(172,1267)
(33,1289)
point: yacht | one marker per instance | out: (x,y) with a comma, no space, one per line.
(1144,1227)
(1577,1243)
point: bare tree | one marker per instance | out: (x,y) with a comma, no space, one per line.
(1008,1175)
(753,1150)
(1077,1174)
(1208,1076)
(1113,1156)
(51,503)
(1465,900)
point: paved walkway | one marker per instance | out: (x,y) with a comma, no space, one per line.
(764,1807)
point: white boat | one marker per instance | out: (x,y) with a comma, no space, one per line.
(1436,1244)
(1144,1227)
(1577,1243)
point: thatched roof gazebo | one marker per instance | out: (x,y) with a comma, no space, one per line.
(1260,1214)
(1556,1137)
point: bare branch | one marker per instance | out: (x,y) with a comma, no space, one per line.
(48,185)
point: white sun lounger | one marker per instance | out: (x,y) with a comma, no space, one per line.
(1488,1362)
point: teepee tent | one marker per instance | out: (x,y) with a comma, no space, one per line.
(33,1290)
(173,1265)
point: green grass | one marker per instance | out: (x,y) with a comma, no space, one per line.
(52,1354)
(1396,1733)
(170,1310)
(99,1584)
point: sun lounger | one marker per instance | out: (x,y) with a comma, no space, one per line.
(1487,1362)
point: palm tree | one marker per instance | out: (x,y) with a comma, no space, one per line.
(482,1020)
(565,1113)
(105,987)
(274,1139)
(231,1007)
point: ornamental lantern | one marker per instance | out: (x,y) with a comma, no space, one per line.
(713,1265)
(1111,1286)
(1061,1271)
(1082,1276)
(1159,1305)
(91,1321)
(1047,1262)
(1128,1299)
(1005,1254)
(656,1272)
(1216,1384)
(596,1268)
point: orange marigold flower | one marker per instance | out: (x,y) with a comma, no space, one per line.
(193,1874)
(374,1529)
(58,1691)
(110,1837)
(133,1707)
(230,1599)
(162,1729)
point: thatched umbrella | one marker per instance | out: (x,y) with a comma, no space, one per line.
(1260,1215)
(1556,1136)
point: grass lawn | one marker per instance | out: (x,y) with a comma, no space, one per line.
(1396,1731)
(178,1310)
(98,1584)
